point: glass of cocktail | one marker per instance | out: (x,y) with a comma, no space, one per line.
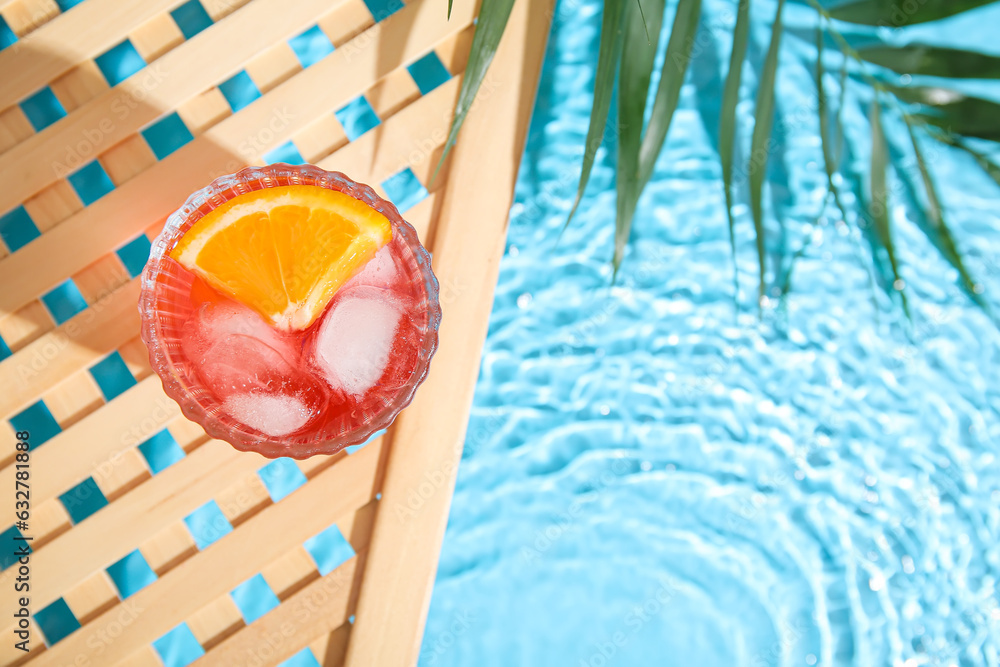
(289,310)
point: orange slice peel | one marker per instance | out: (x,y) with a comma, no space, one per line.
(283,251)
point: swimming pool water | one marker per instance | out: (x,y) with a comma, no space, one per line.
(650,478)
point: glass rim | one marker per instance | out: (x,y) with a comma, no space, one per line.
(245,438)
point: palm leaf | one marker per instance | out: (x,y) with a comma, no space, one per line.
(954,112)
(878,205)
(493,15)
(985,163)
(450,3)
(678,56)
(926,60)
(634,74)
(829,157)
(898,13)
(942,236)
(759,149)
(727,119)
(608,56)
(838,126)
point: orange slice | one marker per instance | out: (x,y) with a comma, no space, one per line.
(284,251)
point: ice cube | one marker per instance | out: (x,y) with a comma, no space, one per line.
(380,271)
(355,338)
(233,350)
(272,414)
(216,321)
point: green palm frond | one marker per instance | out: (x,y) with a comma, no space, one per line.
(630,36)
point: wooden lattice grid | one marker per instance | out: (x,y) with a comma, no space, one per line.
(215,538)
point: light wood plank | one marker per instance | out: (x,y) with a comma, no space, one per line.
(79,85)
(74,345)
(330,649)
(332,496)
(144,657)
(92,597)
(346,22)
(73,399)
(25,326)
(224,148)
(136,357)
(387,149)
(311,613)
(129,471)
(101,278)
(204,60)
(403,555)
(204,111)
(217,620)
(27,16)
(392,93)
(90,29)
(52,205)
(96,445)
(48,520)
(128,159)
(320,138)
(156,36)
(290,573)
(314,611)
(14,127)
(164,499)
(274,66)
(169,548)
(219,9)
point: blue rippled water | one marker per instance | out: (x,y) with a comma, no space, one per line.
(651,478)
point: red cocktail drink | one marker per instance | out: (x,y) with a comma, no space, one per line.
(256,365)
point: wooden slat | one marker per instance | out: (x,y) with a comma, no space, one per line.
(52,205)
(26,325)
(26,16)
(162,188)
(92,597)
(403,555)
(87,31)
(386,150)
(312,612)
(156,36)
(95,445)
(204,60)
(79,85)
(103,331)
(168,548)
(167,497)
(332,496)
(215,621)
(73,399)
(330,649)
(71,347)
(14,127)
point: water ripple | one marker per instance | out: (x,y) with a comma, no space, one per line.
(651,477)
